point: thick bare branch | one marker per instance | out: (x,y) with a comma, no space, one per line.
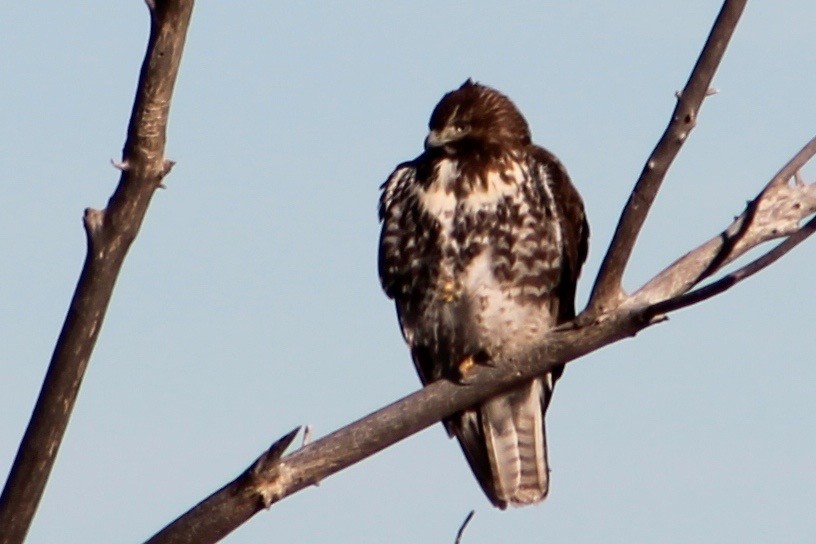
(226,509)
(608,290)
(109,235)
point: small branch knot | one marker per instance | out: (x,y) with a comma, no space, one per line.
(122,166)
(271,490)
(270,478)
(167,166)
(93,220)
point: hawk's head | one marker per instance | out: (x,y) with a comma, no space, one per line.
(476,115)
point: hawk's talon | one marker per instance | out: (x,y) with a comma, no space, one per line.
(466,366)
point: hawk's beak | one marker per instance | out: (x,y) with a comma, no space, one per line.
(434,140)
(444,137)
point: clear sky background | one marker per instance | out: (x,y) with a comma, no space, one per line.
(250,303)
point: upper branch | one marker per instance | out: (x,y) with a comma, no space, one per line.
(608,289)
(109,233)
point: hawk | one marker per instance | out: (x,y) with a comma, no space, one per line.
(483,238)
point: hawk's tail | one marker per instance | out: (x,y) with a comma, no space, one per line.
(505,442)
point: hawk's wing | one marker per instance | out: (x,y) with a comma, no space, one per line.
(397,206)
(573,222)
(408,254)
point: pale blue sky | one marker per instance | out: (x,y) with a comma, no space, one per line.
(249,304)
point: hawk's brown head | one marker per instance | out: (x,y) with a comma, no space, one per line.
(476,116)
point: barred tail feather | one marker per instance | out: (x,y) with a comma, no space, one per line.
(505,442)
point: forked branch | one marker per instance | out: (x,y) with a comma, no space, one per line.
(775,213)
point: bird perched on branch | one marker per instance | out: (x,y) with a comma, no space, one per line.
(483,238)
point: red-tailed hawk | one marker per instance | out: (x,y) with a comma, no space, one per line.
(483,239)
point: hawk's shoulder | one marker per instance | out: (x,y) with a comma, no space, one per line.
(409,233)
(395,188)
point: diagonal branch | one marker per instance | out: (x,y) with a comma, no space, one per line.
(229,507)
(109,234)
(608,290)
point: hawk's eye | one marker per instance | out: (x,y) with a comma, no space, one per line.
(459,128)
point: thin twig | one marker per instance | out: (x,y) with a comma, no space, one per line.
(307,435)
(462,528)
(109,234)
(607,291)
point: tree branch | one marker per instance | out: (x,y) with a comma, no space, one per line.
(608,289)
(109,233)
(229,507)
